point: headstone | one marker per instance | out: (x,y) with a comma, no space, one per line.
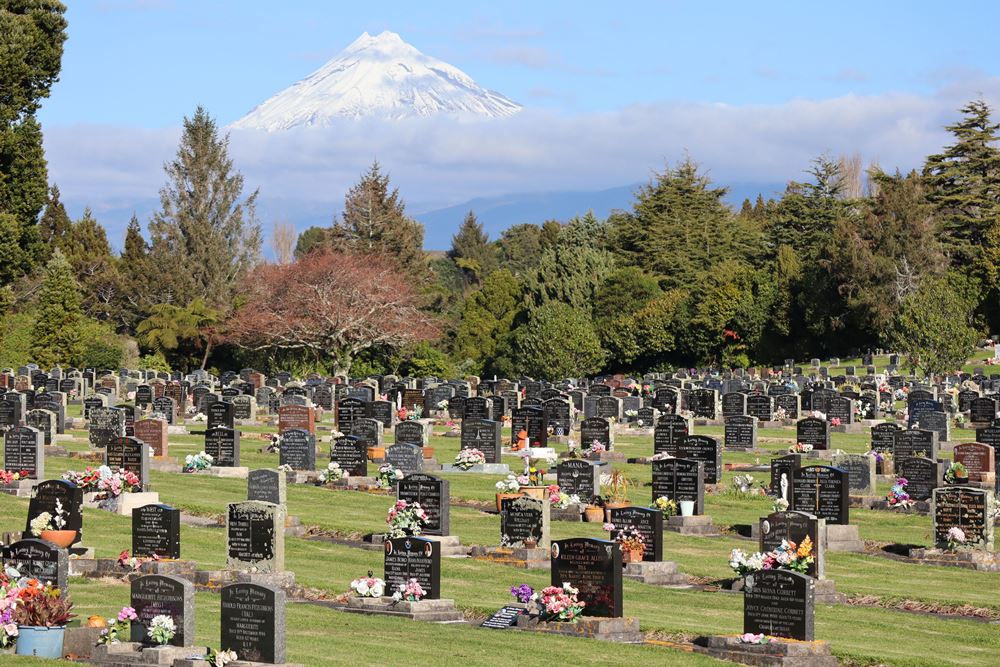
(297,416)
(595,430)
(977,458)
(223,444)
(23,450)
(106,425)
(167,407)
(162,595)
(44,499)
(369,431)
(915,442)
(432,494)
(968,509)
(129,454)
(761,407)
(795,527)
(579,477)
(411,432)
(38,559)
(680,479)
(782,469)
(483,435)
(780,603)
(298,449)
(267,485)
(255,536)
(348,410)
(861,472)
(524,518)
(408,458)
(647,522)
(351,454)
(813,431)
(594,567)
(923,475)
(741,432)
(822,491)
(884,437)
(44,421)
(668,433)
(156,529)
(983,410)
(253,622)
(413,558)
(734,404)
(154,433)
(706,449)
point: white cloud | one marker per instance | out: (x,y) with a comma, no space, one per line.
(440,161)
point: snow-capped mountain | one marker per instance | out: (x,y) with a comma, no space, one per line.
(379,76)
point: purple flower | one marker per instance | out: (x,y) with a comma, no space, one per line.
(522,593)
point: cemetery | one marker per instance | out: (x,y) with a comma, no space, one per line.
(813,530)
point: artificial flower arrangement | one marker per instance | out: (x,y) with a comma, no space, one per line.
(751,638)
(39,605)
(508,485)
(333,473)
(108,484)
(11,476)
(522,593)
(561,500)
(134,562)
(835,421)
(220,658)
(743,485)
(199,461)
(442,405)
(897,497)
(405,519)
(800,448)
(467,458)
(628,538)
(957,472)
(596,448)
(667,506)
(661,456)
(556,603)
(114,633)
(779,505)
(411,591)
(368,587)
(956,538)
(47,521)
(387,476)
(8,601)
(632,413)
(787,556)
(780,414)
(162,629)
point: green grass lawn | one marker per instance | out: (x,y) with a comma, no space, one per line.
(321,636)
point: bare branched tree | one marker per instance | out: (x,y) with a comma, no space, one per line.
(283,239)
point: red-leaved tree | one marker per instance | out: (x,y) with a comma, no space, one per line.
(333,305)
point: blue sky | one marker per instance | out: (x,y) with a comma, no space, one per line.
(611,93)
(146,63)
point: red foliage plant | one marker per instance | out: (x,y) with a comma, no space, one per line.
(331,304)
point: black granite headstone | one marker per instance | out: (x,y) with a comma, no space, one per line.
(594,567)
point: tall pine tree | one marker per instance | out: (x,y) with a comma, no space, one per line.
(57,333)
(472,251)
(205,237)
(375,221)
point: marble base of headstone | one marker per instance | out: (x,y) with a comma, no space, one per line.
(433,611)
(526,559)
(824,454)
(971,559)
(776,653)
(126,502)
(843,538)
(662,573)
(294,527)
(484,469)
(21,488)
(571,513)
(218,578)
(691,525)
(228,472)
(97,568)
(451,545)
(133,653)
(620,630)
(164,464)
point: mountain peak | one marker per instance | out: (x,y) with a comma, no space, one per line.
(381,76)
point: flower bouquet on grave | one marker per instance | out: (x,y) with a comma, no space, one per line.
(199,461)
(835,421)
(162,629)
(595,450)
(387,476)
(134,563)
(114,633)
(630,540)
(743,486)
(800,448)
(897,497)
(11,476)
(787,556)
(8,601)
(333,473)
(756,640)
(779,505)
(522,593)
(467,458)
(554,603)
(368,587)
(957,473)
(411,591)
(106,483)
(956,538)
(37,606)
(405,519)
(220,658)
(667,506)
(509,484)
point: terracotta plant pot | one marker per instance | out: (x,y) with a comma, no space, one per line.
(376,453)
(60,538)
(501,496)
(593,514)
(632,556)
(428,452)
(615,506)
(534,491)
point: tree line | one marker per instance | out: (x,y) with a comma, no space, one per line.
(849,259)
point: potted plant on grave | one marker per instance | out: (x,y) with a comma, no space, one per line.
(957,473)
(666,505)
(630,540)
(52,528)
(594,511)
(41,613)
(617,491)
(508,487)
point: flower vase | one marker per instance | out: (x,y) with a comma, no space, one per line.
(632,556)
(40,642)
(593,514)
(686,507)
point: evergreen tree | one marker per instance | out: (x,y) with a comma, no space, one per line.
(182,333)
(572,269)
(557,342)
(521,248)
(487,318)
(205,237)
(59,321)
(375,221)
(472,251)
(964,188)
(55,225)
(311,239)
(87,247)
(805,216)
(32,33)
(137,291)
